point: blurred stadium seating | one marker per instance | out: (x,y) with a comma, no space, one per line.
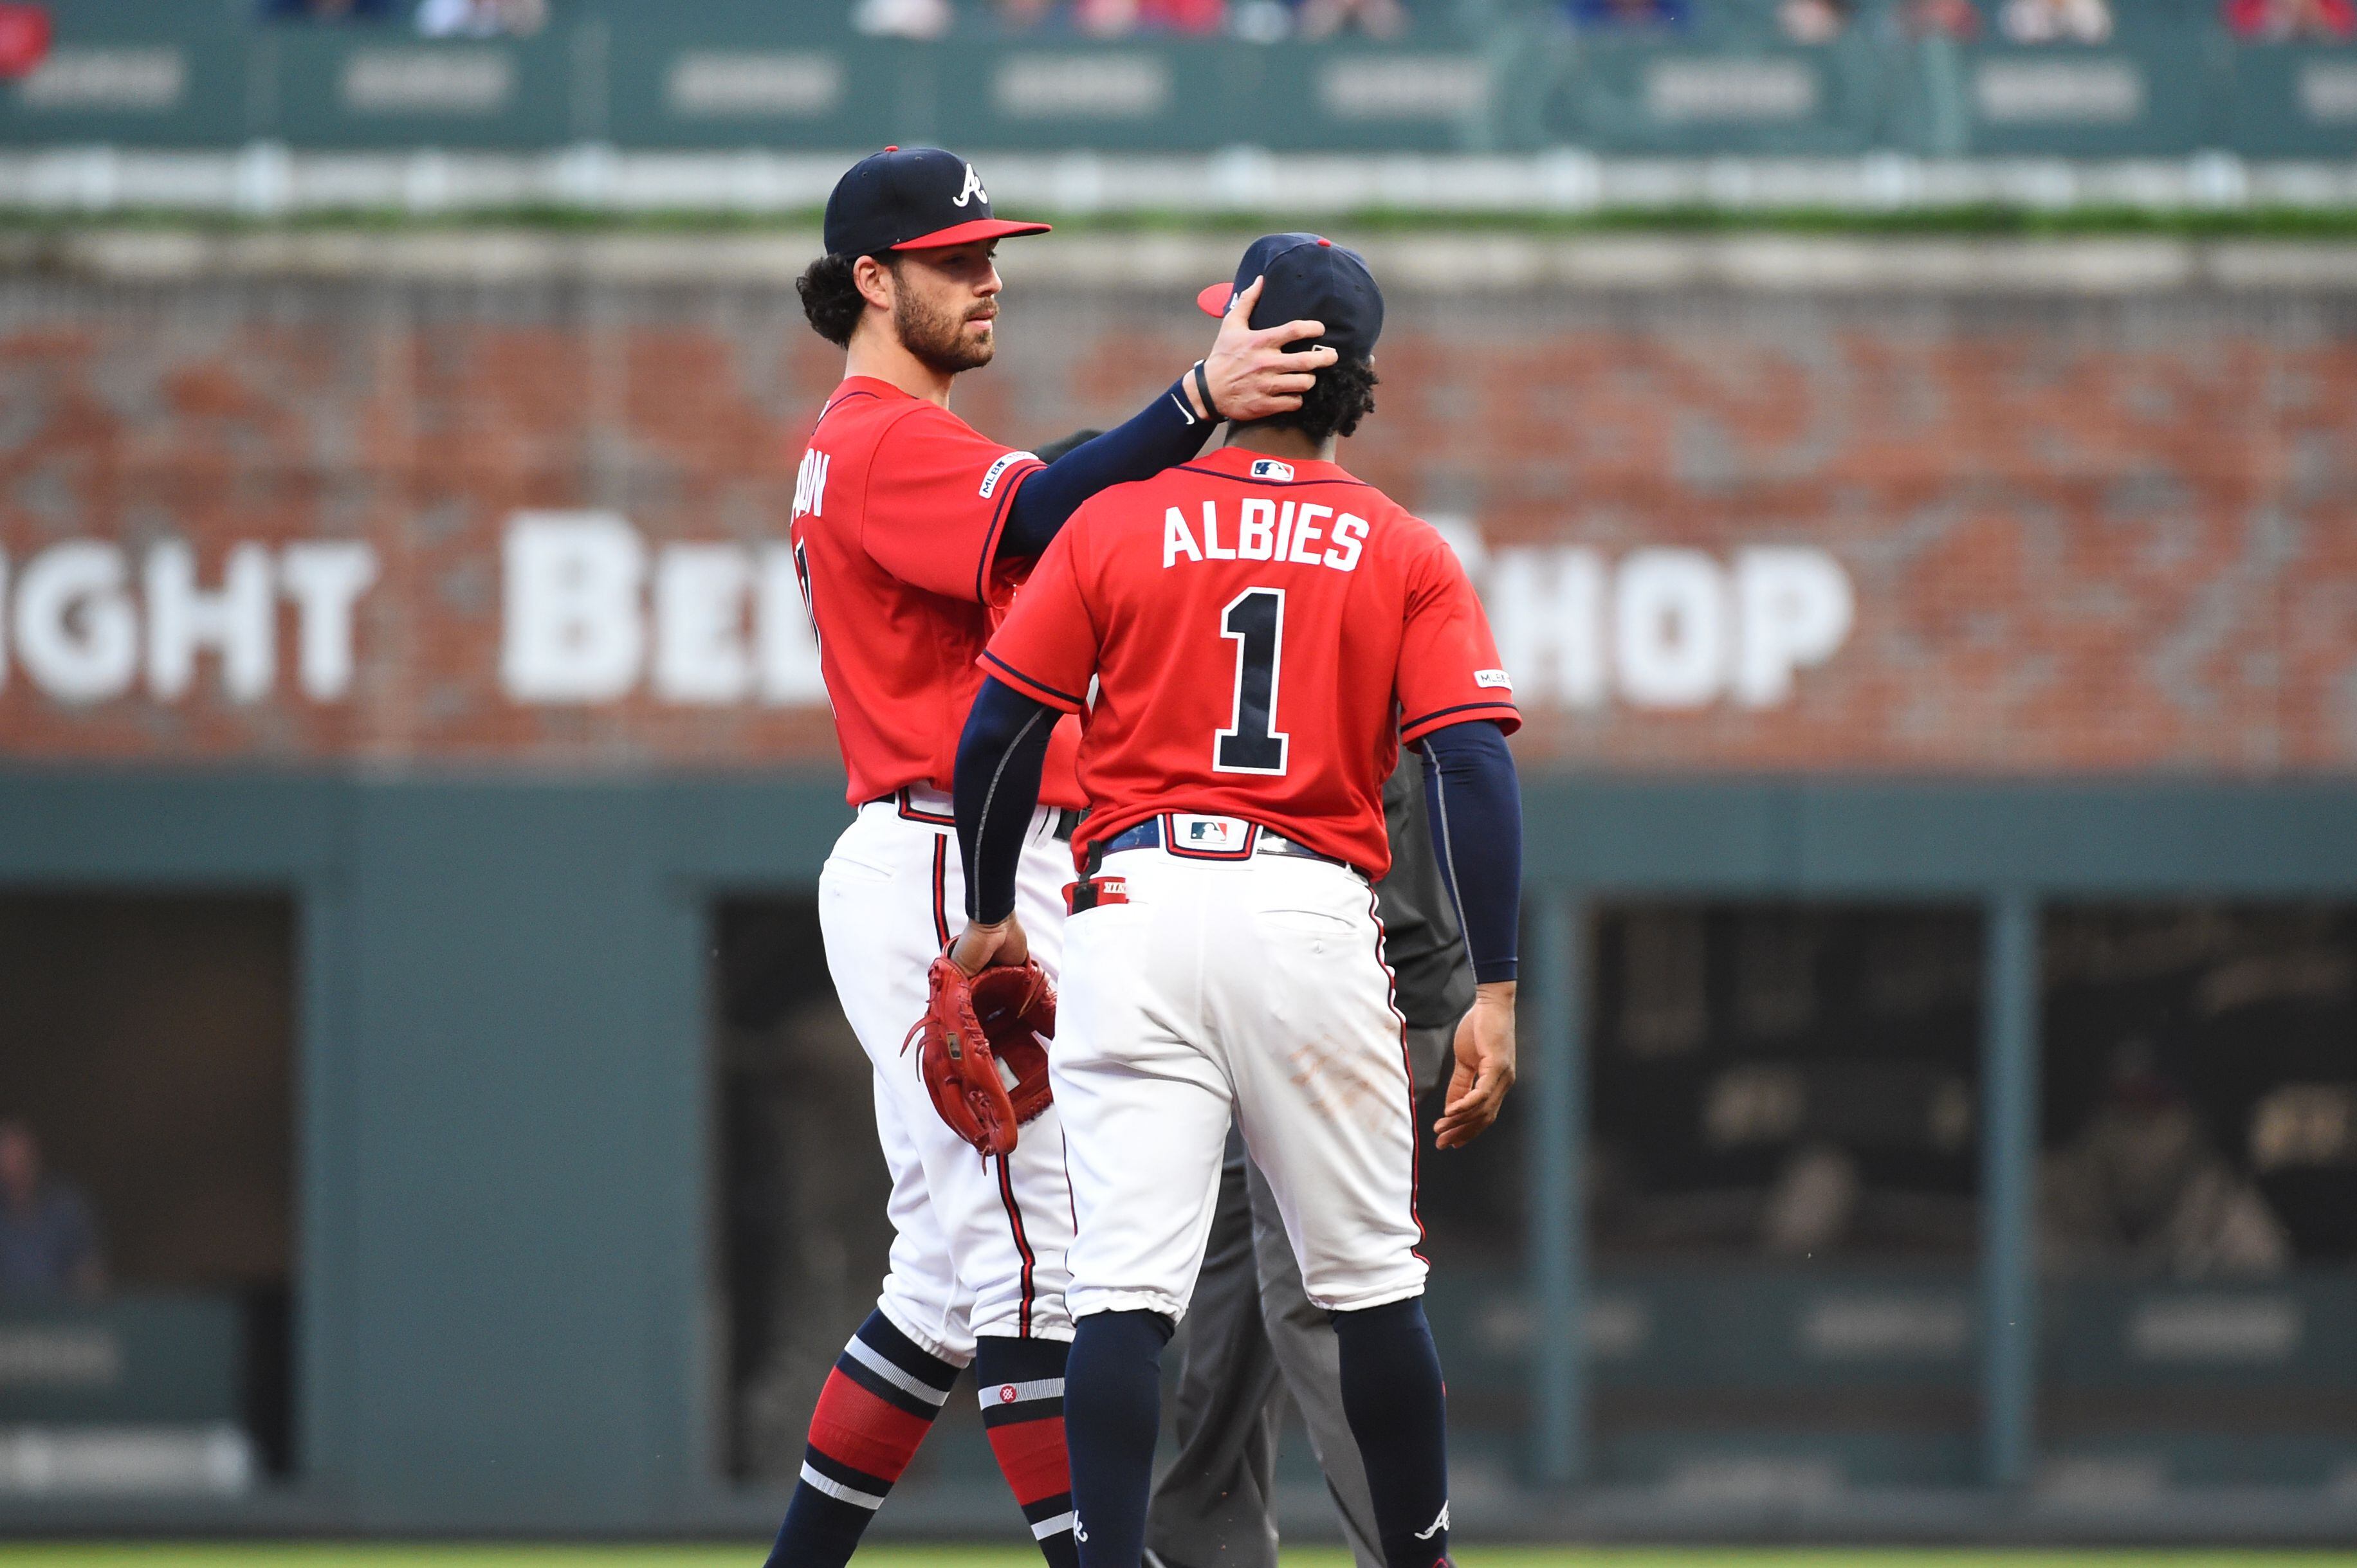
(580,105)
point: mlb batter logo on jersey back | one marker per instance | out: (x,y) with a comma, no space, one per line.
(1270,469)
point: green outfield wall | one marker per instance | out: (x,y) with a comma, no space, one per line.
(505,1274)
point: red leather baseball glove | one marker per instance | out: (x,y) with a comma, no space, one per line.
(983,1054)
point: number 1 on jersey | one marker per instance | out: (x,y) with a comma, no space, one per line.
(1255,621)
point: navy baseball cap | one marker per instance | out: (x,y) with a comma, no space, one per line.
(1309,278)
(913,199)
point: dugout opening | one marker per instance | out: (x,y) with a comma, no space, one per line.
(147,1220)
(2197,1198)
(1783,1190)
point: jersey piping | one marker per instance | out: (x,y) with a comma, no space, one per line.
(1416,728)
(1039,689)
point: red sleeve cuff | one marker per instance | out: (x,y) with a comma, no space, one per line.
(1502,715)
(1039,691)
(1007,484)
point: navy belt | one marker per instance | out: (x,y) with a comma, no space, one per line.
(1257,839)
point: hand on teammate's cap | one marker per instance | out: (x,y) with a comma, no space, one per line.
(1251,375)
(1485,1068)
(978,948)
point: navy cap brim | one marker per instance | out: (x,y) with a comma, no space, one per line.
(967,233)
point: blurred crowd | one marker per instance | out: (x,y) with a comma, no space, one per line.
(434,18)
(2264,21)
(2143,1185)
(1823,21)
(1801,21)
(2028,22)
(1793,1086)
(48,1237)
(2023,22)
(1263,21)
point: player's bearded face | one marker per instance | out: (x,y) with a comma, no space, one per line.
(945,307)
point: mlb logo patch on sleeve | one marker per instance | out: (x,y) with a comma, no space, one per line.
(1270,469)
(1492,678)
(998,470)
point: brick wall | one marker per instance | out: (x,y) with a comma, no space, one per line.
(1966,532)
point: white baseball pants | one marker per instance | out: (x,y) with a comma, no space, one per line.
(978,1244)
(1253,988)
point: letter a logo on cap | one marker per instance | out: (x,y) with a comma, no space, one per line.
(973,188)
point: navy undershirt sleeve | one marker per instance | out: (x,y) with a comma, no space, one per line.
(998,762)
(1166,432)
(1477,832)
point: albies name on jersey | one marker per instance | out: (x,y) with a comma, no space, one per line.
(1303,533)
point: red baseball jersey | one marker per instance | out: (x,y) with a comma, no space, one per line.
(1264,635)
(898,506)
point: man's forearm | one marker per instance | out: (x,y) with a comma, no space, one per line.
(1168,431)
(1476,805)
(998,765)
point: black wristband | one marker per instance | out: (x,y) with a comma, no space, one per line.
(1203,386)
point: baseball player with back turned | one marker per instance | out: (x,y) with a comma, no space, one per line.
(910,532)
(1263,632)
(1254,1343)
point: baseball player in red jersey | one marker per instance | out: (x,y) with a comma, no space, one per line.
(1263,632)
(910,532)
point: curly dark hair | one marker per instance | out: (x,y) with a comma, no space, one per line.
(829,298)
(1345,394)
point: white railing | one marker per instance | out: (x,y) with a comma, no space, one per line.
(267,180)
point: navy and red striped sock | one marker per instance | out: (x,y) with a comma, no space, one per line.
(878,1405)
(1021,1383)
